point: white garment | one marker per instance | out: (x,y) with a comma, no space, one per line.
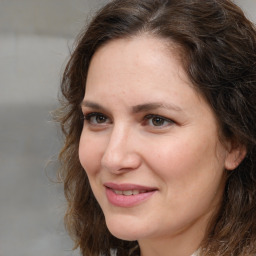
(195,253)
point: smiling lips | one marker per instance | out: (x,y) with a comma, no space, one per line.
(127,195)
(129,192)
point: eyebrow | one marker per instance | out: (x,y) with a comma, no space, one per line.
(153,106)
(137,108)
(92,105)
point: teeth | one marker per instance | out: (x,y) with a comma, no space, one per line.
(135,192)
(118,192)
(129,192)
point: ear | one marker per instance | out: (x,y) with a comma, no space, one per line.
(235,156)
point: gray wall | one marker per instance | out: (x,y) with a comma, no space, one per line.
(45,17)
(34,40)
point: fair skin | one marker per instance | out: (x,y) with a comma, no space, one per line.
(150,147)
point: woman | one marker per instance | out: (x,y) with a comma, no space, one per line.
(158,112)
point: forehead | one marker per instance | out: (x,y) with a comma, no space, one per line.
(136,59)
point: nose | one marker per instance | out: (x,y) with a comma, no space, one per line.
(121,153)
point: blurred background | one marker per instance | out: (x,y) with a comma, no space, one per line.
(35,38)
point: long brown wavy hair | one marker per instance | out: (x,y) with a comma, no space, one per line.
(218,49)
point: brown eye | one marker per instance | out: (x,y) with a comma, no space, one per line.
(96,118)
(157,121)
(100,119)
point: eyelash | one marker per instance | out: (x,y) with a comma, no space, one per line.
(88,118)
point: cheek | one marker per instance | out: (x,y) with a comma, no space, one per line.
(89,154)
(191,177)
(182,160)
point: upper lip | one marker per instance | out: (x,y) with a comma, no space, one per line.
(127,186)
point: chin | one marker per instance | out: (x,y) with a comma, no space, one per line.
(122,236)
(123,230)
(122,233)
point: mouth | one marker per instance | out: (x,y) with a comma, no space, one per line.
(127,195)
(128,192)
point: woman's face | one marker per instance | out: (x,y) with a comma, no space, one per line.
(150,143)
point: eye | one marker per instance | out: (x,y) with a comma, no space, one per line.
(157,121)
(96,118)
